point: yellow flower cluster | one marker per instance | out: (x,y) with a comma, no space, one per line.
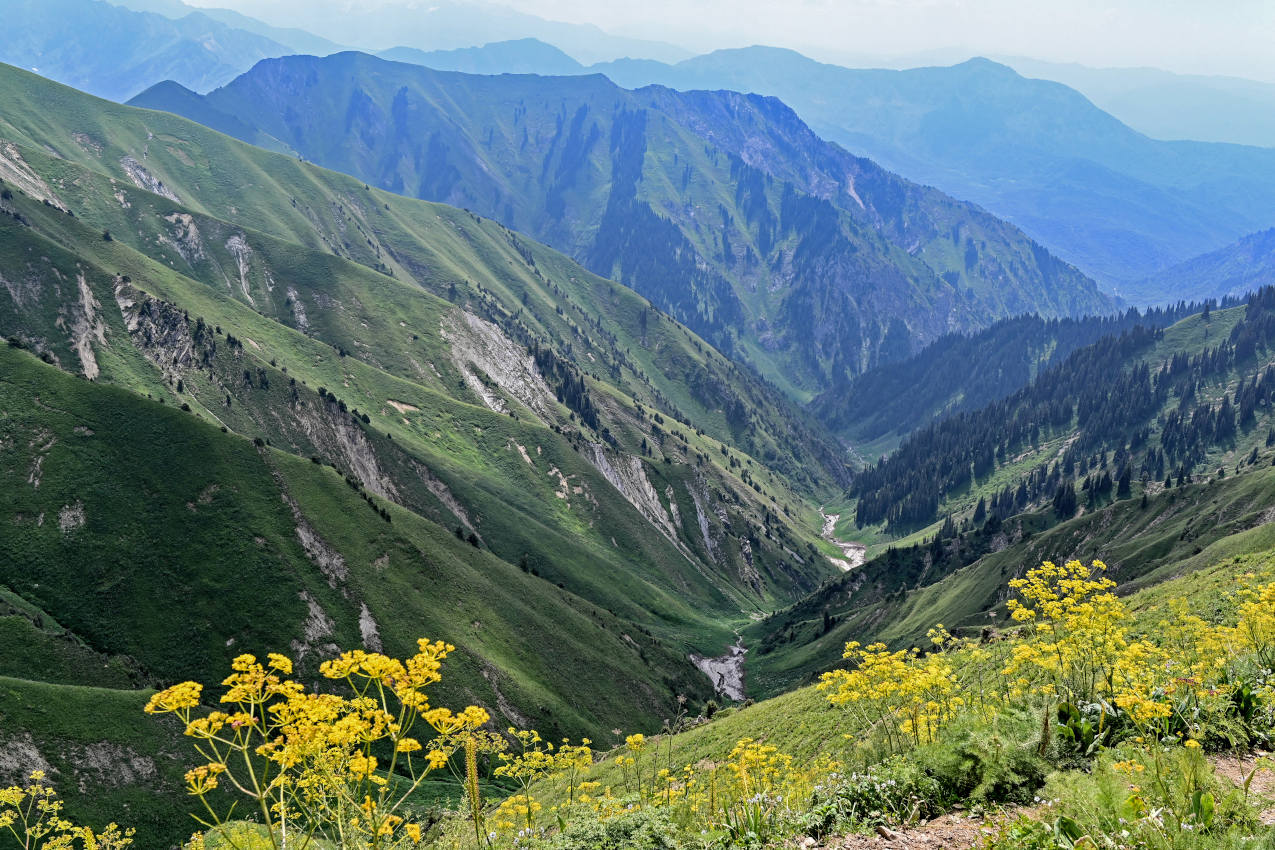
(306,760)
(32,815)
(340,767)
(900,691)
(1255,630)
(536,761)
(1078,646)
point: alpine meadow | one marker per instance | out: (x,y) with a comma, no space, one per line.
(556,426)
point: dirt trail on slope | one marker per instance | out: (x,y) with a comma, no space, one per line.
(855,553)
(1237,769)
(947,832)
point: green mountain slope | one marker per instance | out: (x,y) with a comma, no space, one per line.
(723,209)
(898,596)
(1163,451)
(875,410)
(552,419)
(1139,406)
(443,250)
(104,470)
(280,437)
(1101,195)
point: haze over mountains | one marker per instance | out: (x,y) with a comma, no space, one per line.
(442,25)
(1165,105)
(1119,205)
(115,53)
(1116,203)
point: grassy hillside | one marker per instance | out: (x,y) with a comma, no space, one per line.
(876,410)
(169,327)
(260,550)
(604,329)
(102,470)
(960,581)
(1148,405)
(976,745)
(284,435)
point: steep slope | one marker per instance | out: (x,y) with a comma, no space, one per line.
(1166,105)
(594,323)
(569,434)
(1116,203)
(960,580)
(115,53)
(1147,405)
(163,547)
(286,441)
(1237,269)
(875,410)
(724,209)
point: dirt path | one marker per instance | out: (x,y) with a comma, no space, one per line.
(855,553)
(947,832)
(726,672)
(1238,770)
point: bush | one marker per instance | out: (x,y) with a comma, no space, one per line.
(897,791)
(1164,798)
(640,829)
(984,767)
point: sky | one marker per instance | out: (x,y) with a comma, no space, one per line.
(1232,37)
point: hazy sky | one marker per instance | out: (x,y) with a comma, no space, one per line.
(1193,36)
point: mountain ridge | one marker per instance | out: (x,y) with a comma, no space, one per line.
(980,131)
(812,237)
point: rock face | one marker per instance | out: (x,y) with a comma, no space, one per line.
(87,327)
(14,169)
(628,475)
(725,671)
(480,349)
(71,517)
(143,179)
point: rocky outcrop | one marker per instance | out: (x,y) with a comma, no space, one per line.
(627,474)
(87,327)
(160,330)
(14,169)
(143,179)
(480,349)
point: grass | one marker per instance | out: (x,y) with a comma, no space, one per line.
(396,353)
(1180,531)
(109,761)
(389,367)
